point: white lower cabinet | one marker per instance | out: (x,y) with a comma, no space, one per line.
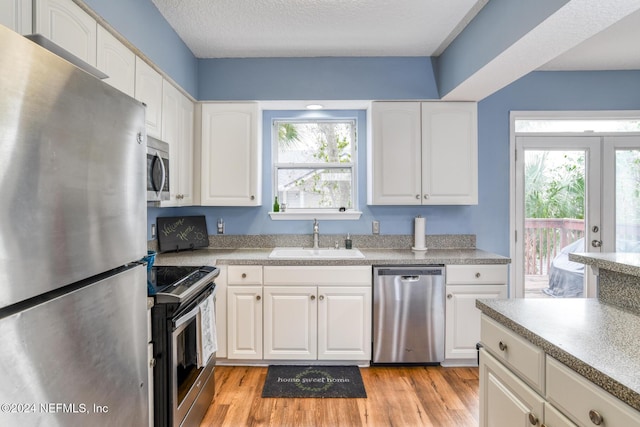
(465,284)
(244,312)
(520,386)
(317,313)
(505,400)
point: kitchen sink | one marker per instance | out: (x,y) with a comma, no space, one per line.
(321,253)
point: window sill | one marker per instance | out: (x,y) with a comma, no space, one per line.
(299,214)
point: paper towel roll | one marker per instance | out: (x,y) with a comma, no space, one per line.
(419,234)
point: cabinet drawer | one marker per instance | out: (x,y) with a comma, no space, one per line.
(244,275)
(524,358)
(320,275)
(580,399)
(480,274)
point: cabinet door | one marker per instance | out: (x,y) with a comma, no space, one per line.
(462,330)
(244,328)
(231,155)
(149,91)
(185,165)
(171,135)
(290,322)
(505,401)
(67,25)
(395,154)
(16,15)
(344,323)
(449,153)
(117,61)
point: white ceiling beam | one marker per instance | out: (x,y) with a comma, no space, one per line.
(572,24)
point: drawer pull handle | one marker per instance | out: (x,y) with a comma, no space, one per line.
(502,346)
(533,420)
(595,417)
(244,275)
(477,275)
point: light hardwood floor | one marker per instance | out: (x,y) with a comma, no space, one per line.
(396,396)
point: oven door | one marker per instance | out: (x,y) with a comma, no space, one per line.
(189,369)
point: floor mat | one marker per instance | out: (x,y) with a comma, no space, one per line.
(313,381)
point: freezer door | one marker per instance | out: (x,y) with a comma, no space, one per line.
(408,315)
(79,359)
(72,173)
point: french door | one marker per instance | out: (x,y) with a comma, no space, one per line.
(572,194)
(557,211)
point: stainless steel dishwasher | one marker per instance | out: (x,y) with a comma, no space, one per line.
(408,314)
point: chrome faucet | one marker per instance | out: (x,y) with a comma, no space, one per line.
(316,234)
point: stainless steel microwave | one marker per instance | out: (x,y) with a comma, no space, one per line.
(157,170)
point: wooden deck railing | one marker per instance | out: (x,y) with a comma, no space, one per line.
(545,237)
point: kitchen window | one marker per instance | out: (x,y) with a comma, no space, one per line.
(314,167)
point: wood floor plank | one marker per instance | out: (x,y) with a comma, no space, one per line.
(396,396)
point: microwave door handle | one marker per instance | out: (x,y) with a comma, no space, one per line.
(164,172)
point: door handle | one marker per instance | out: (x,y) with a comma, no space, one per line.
(596,243)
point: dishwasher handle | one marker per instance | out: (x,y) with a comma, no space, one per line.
(409,271)
(410,278)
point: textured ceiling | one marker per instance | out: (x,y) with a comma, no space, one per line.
(307,28)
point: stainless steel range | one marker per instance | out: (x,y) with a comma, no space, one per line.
(183,330)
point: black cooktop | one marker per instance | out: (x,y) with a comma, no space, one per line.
(178,283)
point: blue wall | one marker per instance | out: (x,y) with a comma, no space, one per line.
(316,78)
(599,90)
(141,23)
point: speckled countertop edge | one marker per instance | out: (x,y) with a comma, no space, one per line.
(620,262)
(598,344)
(260,256)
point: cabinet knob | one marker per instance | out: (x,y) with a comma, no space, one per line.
(533,420)
(252,197)
(477,275)
(426,196)
(258,297)
(321,297)
(417,197)
(313,297)
(244,275)
(595,417)
(449,296)
(502,346)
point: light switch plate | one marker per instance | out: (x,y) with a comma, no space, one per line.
(375,227)
(153,231)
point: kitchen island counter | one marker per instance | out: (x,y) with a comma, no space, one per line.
(592,338)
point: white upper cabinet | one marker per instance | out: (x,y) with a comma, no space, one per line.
(395,166)
(67,25)
(149,91)
(177,131)
(449,153)
(16,15)
(231,155)
(423,153)
(117,61)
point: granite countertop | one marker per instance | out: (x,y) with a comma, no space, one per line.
(594,339)
(260,256)
(619,262)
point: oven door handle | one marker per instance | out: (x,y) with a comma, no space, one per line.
(187,317)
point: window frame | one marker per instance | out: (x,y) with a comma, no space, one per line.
(352,213)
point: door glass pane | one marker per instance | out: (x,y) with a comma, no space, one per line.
(554,199)
(627,200)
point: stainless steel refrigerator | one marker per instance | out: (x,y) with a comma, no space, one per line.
(73,320)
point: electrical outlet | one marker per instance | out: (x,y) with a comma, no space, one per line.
(153,231)
(375,227)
